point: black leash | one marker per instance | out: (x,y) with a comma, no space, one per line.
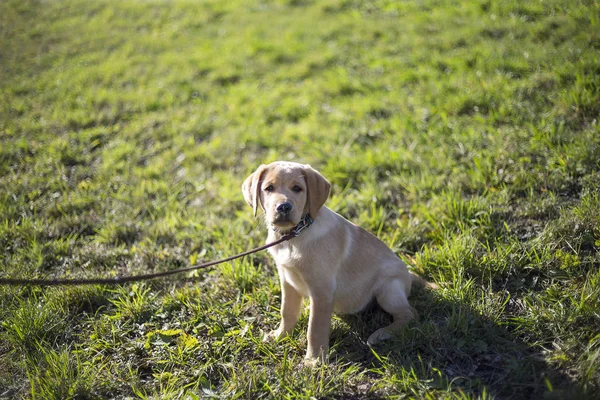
(125,279)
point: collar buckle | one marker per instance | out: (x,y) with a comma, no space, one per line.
(304,223)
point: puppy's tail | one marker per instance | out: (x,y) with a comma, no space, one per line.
(419,281)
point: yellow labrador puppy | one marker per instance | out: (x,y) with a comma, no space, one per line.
(339,266)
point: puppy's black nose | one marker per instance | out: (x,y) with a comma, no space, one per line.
(284,208)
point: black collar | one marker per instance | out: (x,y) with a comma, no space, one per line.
(304,223)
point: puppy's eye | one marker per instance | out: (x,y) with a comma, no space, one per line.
(297,189)
(269,188)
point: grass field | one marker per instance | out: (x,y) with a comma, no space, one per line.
(464,134)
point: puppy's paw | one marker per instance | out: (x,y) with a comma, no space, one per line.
(274,336)
(378,336)
(312,362)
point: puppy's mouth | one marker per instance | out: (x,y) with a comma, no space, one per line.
(282,222)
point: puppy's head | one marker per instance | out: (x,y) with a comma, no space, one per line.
(286,191)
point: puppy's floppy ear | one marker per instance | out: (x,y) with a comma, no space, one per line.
(251,188)
(317,188)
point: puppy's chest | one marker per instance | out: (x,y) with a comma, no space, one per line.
(290,268)
(286,256)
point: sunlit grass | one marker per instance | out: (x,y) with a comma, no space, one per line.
(463,134)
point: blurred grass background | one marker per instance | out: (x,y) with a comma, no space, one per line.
(463,133)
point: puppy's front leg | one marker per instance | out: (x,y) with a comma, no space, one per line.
(319,323)
(291,305)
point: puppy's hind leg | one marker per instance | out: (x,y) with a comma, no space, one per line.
(392,298)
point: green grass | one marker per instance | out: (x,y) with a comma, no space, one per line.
(464,134)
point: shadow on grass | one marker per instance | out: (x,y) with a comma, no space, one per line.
(451,347)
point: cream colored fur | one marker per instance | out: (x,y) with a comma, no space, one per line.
(339,266)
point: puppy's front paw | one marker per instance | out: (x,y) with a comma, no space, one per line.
(378,336)
(311,362)
(274,336)
(315,357)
